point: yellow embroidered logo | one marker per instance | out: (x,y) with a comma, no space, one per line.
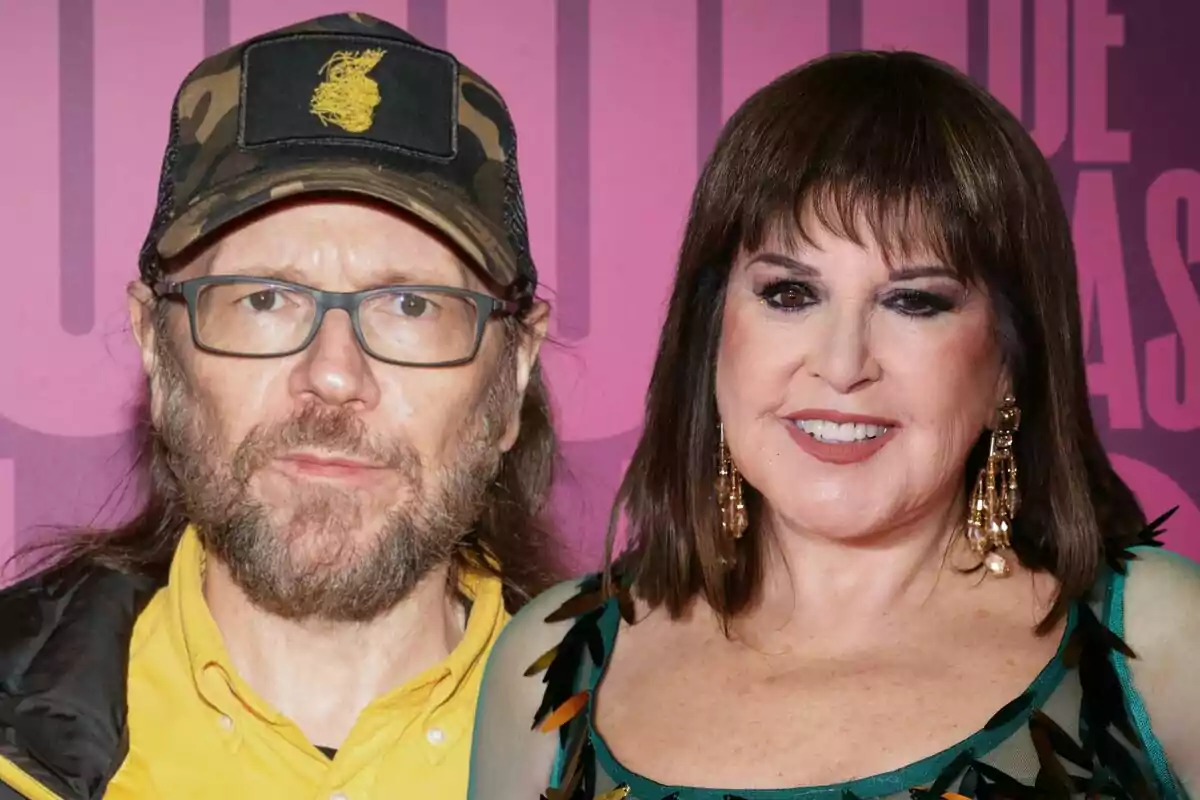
(348,97)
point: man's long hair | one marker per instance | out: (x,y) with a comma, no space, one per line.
(513,538)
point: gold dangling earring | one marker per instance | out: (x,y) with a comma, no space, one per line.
(995,498)
(729,491)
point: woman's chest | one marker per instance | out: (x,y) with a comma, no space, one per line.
(703,718)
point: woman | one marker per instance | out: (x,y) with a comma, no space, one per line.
(876,548)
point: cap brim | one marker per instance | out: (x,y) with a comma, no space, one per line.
(477,236)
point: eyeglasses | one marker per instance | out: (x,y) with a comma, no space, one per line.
(419,326)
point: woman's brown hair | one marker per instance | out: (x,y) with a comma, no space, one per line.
(910,150)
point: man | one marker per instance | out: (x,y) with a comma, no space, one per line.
(348,441)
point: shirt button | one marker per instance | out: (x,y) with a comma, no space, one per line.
(226,722)
(338,796)
(435,736)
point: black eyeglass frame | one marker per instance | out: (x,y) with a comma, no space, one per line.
(486,307)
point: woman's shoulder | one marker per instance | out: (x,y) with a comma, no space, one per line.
(529,674)
(1153,562)
(541,616)
(1155,609)
(1149,591)
(1158,601)
(546,620)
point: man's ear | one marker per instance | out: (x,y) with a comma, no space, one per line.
(529,344)
(141,321)
(145,333)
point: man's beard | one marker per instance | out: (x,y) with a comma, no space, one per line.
(311,559)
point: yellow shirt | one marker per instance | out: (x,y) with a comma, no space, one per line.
(198,731)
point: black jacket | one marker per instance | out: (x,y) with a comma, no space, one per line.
(64,657)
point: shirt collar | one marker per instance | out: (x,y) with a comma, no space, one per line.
(201,639)
(486,618)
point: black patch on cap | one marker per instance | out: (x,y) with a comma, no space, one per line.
(337,89)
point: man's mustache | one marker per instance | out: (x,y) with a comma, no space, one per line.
(339,432)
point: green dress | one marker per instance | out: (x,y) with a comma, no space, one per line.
(1080,730)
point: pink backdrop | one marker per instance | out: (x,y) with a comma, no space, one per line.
(616,101)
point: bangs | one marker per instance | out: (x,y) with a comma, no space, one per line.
(865,148)
(904,227)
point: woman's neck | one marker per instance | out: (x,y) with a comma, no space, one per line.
(840,584)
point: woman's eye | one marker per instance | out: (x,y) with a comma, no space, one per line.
(914,303)
(787,295)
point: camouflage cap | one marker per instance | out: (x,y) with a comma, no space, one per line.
(345,104)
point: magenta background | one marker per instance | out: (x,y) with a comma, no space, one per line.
(616,102)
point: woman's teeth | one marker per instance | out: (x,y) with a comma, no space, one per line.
(844,432)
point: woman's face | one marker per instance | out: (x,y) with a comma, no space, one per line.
(852,392)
